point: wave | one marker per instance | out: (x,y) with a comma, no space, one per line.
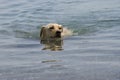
(68,32)
(75,29)
(26,34)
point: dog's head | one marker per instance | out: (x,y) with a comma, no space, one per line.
(51,31)
(54,30)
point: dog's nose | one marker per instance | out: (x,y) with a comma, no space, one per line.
(58,32)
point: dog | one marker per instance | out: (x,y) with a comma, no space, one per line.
(52,35)
(54,30)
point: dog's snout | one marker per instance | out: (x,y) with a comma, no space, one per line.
(58,32)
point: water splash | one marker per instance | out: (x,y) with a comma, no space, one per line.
(67,32)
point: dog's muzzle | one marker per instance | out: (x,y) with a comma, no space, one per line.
(58,34)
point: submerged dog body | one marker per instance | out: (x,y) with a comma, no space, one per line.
(53,45)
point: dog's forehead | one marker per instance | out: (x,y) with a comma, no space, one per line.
(60,25)
(54,25)
(57,25)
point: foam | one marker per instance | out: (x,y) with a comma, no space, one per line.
(66,32)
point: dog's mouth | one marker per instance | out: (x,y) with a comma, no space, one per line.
(58,34)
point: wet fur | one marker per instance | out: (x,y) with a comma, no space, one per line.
(46,34)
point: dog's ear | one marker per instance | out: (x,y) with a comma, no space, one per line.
(42,32)
(62,28)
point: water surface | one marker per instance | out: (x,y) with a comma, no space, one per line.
(92,53)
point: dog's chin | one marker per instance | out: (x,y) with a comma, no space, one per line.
(58,36)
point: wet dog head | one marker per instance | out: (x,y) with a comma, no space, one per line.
(54,30)
(51,31)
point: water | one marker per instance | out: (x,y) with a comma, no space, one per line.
(92,53)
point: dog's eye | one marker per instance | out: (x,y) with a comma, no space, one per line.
(51,27)
(60,28)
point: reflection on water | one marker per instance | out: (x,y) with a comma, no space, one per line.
(52,44)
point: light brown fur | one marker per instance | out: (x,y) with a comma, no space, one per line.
(51,30)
